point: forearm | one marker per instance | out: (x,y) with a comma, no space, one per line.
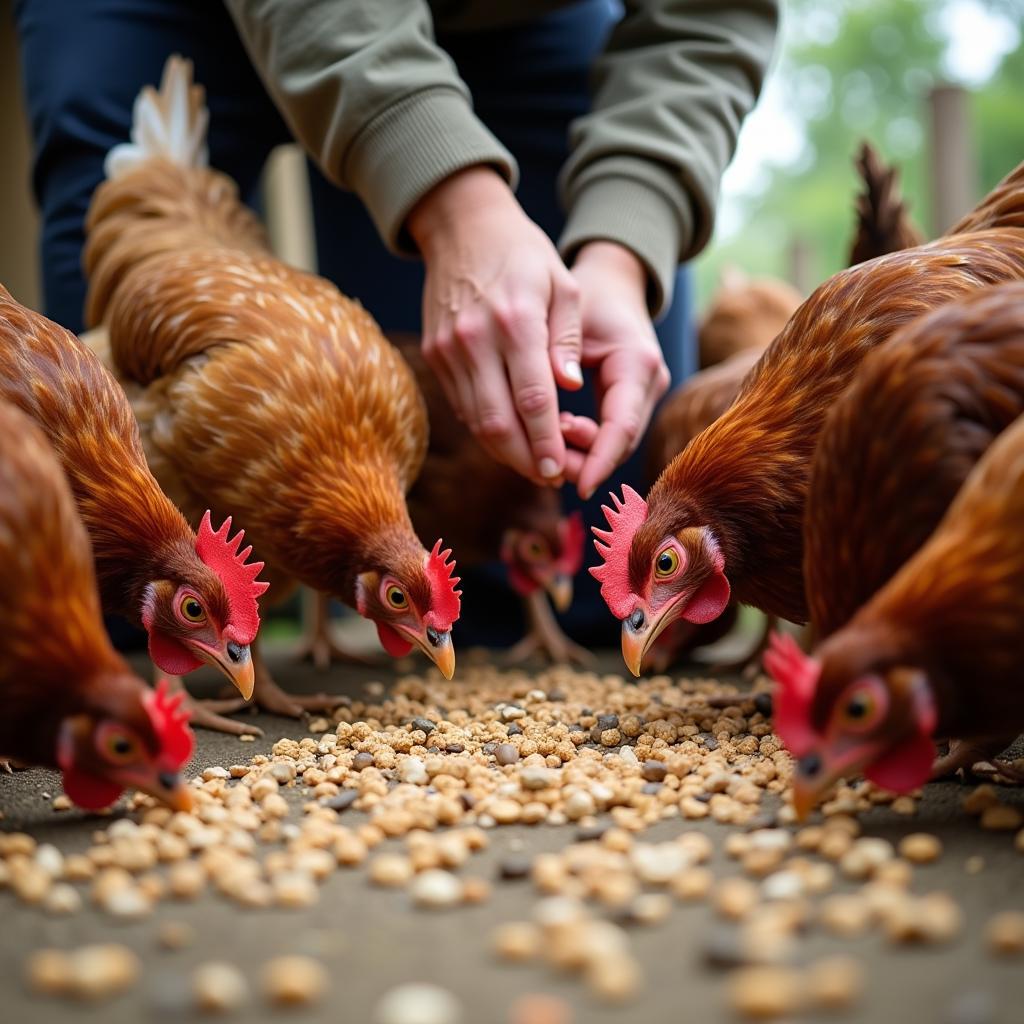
(369,94)
(671,91)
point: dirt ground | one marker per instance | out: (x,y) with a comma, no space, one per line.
(372,939)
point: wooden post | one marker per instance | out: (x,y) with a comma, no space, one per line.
(801,256)
(954,167)
(288,211)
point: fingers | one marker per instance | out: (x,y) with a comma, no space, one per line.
(579,431)
(565,332)
(533,389)
(635,386)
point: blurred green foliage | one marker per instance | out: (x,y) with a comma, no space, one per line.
(854,69)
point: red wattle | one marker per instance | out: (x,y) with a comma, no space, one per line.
(905,767)
(392,641)
(710,600)
(88,792)
(521,583)
(171,657)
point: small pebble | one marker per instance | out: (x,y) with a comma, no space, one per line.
(765,993)
(294,981)
(514,867)
(423,725)
(517,941)
(436,890)
(418,1004)
(219,987)
(920,848)
(343,801)
(174,935)
(1001,818)
(62,899)
(1004,933)
(413,771)
(835,983)
(62,803)
(506,753)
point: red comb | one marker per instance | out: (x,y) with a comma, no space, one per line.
(796,675)
(444,598)
(613,546)
(571,536)
(221,554)
(170,723)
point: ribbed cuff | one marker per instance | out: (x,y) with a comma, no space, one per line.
(636,214)
(410,148)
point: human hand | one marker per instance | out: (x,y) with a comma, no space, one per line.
(501,320)
(630,372)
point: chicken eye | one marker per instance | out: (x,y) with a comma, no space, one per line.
(858,707)
(666,563)
(120,748)
(192,610)
(396,598)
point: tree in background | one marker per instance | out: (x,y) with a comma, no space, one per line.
(854,69)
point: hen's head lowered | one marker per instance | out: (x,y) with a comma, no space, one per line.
(656,572)
(208,613)
(126,737)
(545,560)
(412,599)
(850,712)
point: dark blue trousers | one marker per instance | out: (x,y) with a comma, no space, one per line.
(84,62)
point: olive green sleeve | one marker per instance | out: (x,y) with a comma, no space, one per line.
(368,92)
(670,92)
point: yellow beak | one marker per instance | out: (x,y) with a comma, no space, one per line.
(560,592)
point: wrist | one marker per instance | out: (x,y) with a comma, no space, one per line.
(615,260)
(461,196)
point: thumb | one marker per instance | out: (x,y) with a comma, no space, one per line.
(565,341)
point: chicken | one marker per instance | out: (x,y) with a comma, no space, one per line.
(502,515)
(883,225)
(261,389)
(194,595)
(744,313)
(724,520)
(919,604)
(70,701)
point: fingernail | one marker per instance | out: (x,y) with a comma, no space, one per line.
(573,372)
(548,468)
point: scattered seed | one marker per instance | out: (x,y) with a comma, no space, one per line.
(219,987)
(418,1004)
(517,941)
(765,993)
(1004,933)
(1001,818)
(835,983)
(294,981)
(920,848)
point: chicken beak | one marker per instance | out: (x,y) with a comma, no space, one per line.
(639,631)
(170,789)
(437,645)
(560,591)
(812,779)
(234,660)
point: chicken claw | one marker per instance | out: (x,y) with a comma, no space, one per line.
(206,714)
(271,698)
(978,757)
(546,637)
(317,644)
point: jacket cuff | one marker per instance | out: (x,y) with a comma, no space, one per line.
(411,147)
(611,203)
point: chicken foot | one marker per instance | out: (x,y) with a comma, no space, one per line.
(271,698)
(966,754)
(317,644)
(208,714)
(544,636)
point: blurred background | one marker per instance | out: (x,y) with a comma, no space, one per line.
(936,85)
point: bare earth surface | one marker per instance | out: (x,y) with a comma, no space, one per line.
(373,940)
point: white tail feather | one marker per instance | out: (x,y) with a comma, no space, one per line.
(170,124)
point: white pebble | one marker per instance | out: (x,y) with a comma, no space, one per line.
(127,903)
(628,755)
(63,899)
(215,772)
(418,1004)
(413,771)
(435,889)
(536,777)
(783,885)
(50,859)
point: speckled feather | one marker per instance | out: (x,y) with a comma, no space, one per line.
(55,658)
(900,443)
(746,476)
(956,608)
(137,534)
(260,390)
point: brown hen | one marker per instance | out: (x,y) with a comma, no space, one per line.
(70,701)
(261,389)
(501,515)
(724,520)
(194,598)
(913,621)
